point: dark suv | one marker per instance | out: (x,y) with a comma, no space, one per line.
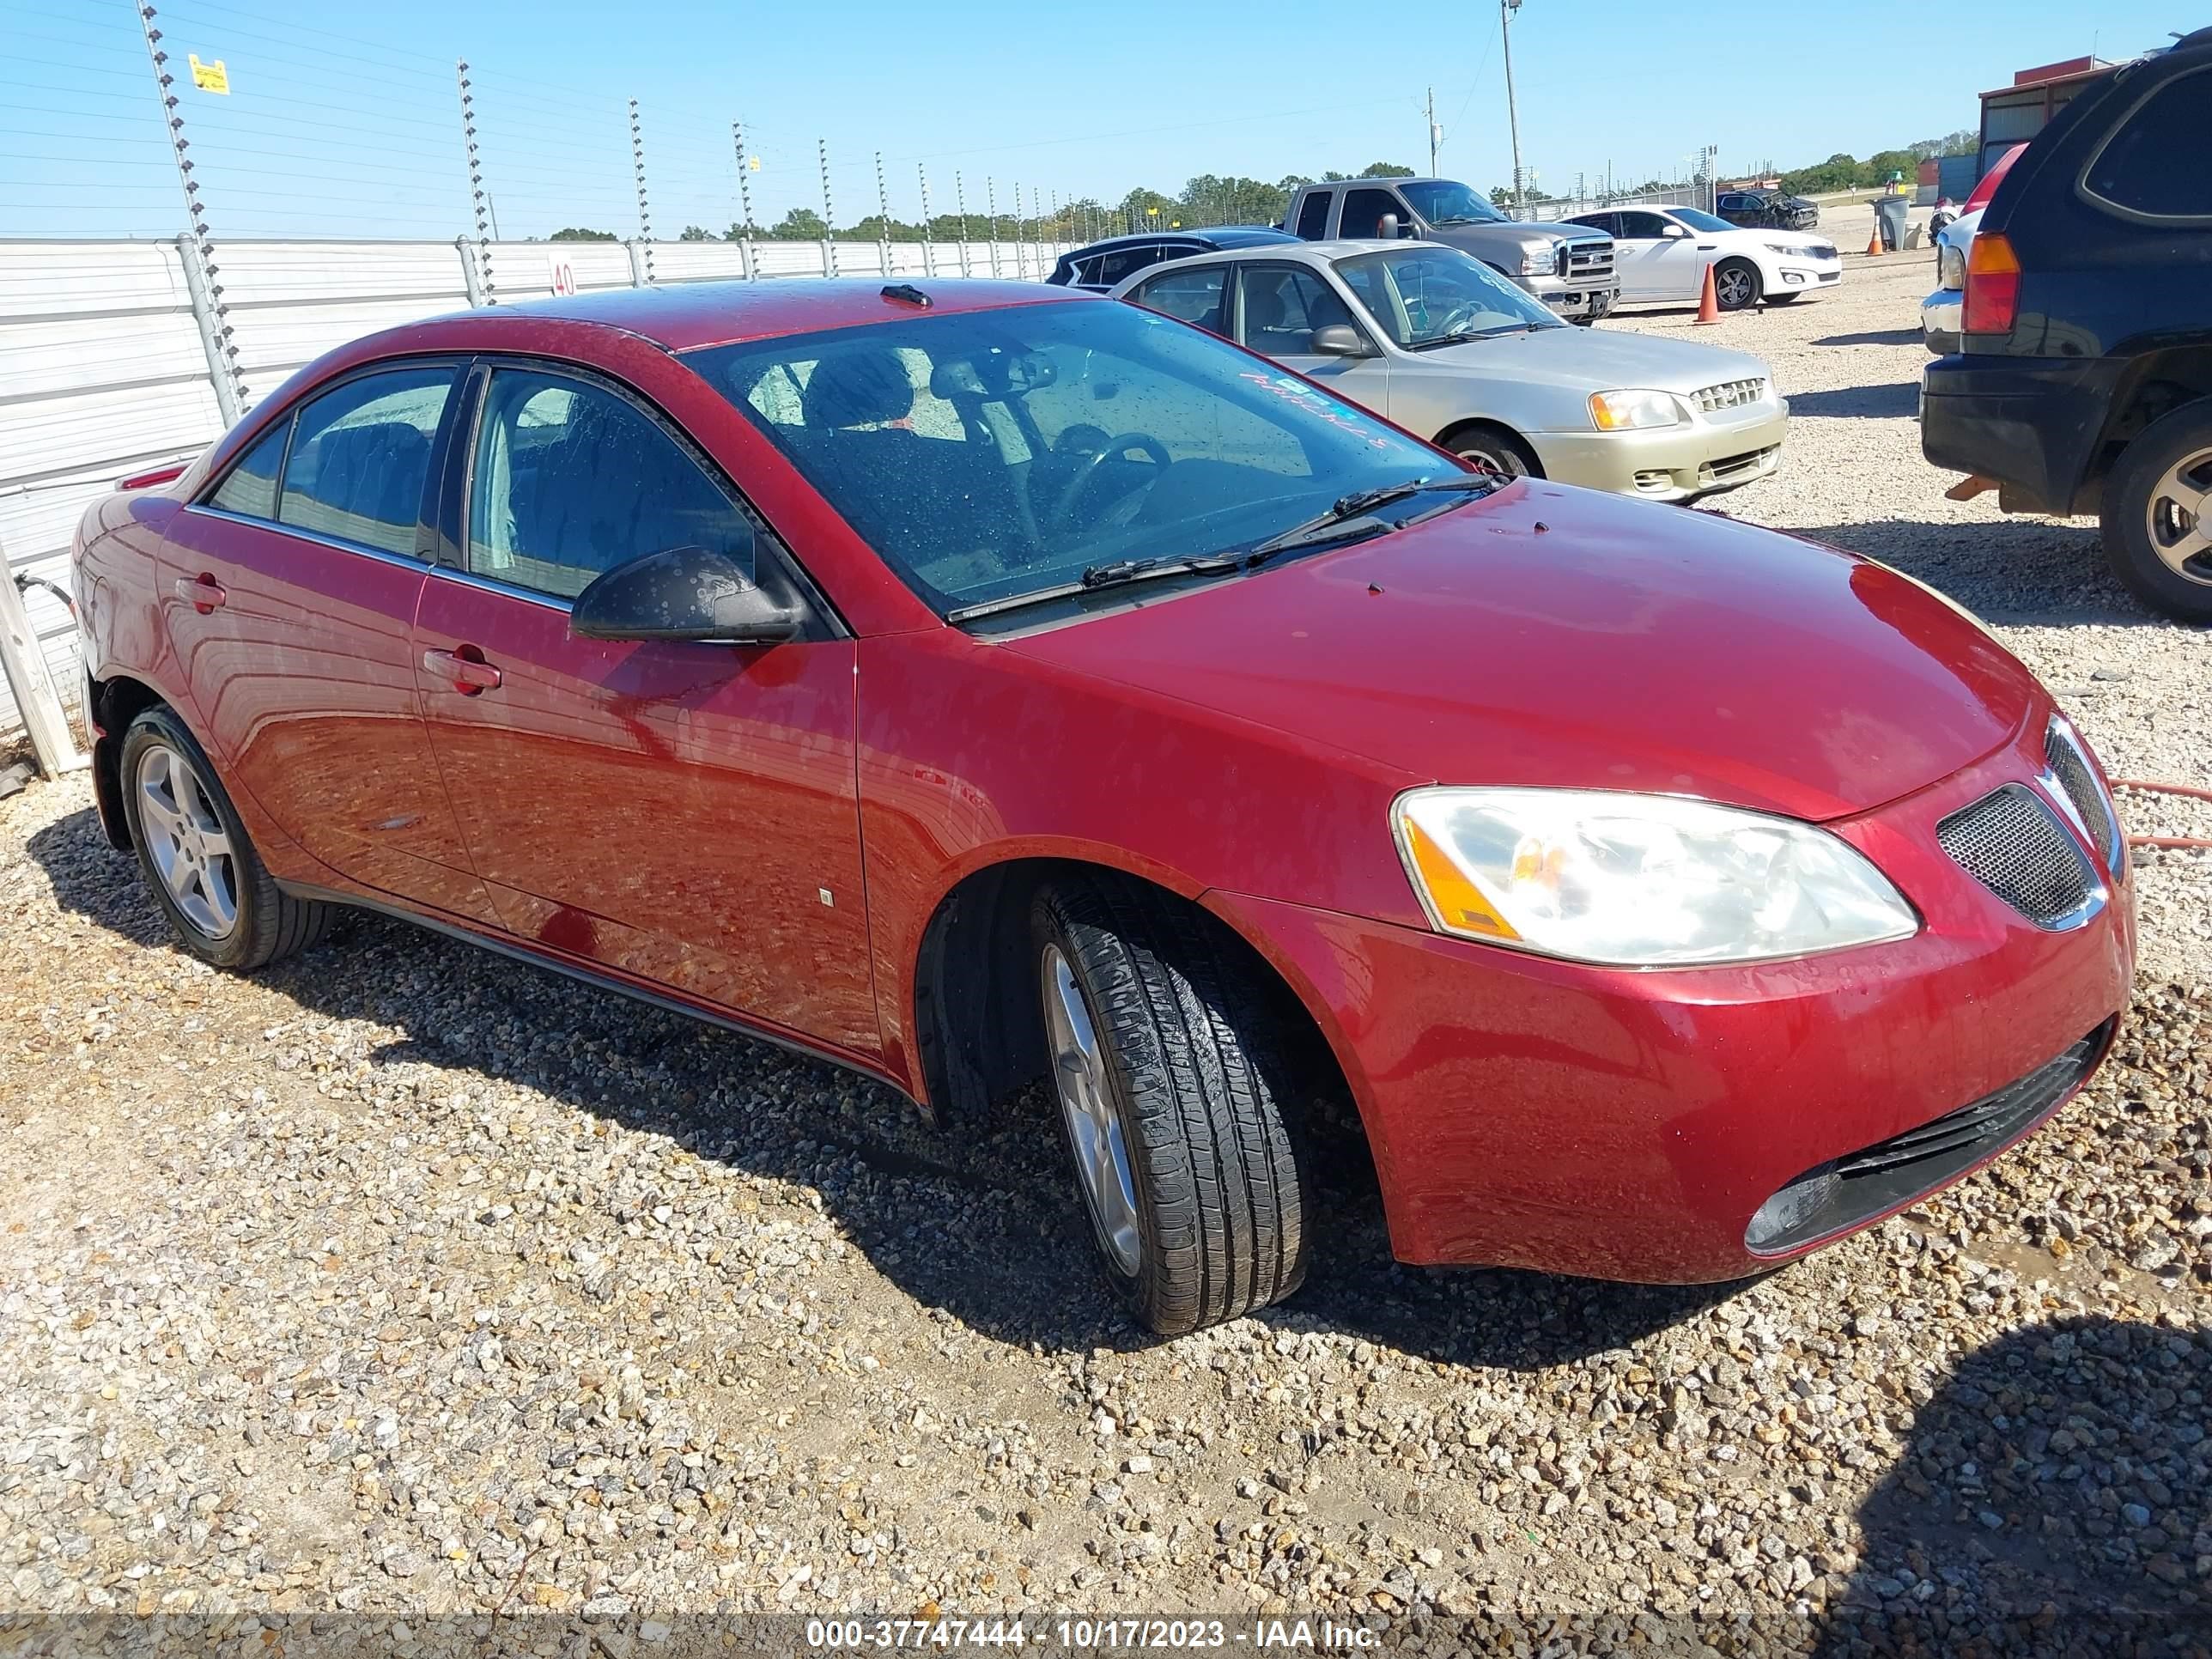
(1101,266)
(1766,210)
(2084,379)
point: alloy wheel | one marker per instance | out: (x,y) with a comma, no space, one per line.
(2177,518)
(1094,1127)
(1733,288)
(190,849)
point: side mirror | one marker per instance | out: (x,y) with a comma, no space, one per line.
(1386,227)
(1338,340)
(683,593)
(1675,231)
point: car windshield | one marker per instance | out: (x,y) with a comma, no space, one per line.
(1698,220)
(986,455)
(1422,296)
(1442,203)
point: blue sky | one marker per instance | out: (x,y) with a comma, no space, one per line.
(344,121)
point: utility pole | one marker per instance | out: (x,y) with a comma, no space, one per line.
(1434,133)
(1505,10)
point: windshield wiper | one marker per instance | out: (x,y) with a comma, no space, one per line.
(1460,335)
(1346,517)
(1119,574)
(1350,514)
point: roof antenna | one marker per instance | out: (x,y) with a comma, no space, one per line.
(908,293)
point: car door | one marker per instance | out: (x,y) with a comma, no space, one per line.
(290,588)
(682,813)
(1655,264)
(1278,306)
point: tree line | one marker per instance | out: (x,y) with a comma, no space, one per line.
(1212,199)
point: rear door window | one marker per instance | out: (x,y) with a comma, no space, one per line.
(1193,295)
(361,455)
(1313,216)
(2155,164)
(1364,210)
(251,489)
(1117,264)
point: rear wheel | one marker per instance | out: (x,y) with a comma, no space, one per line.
(1736,284)
(1494,449)
(1172,1078)
(2157,515)
(198,861)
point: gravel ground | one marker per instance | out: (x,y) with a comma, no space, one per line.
(403,1284)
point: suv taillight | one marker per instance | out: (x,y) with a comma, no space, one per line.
(1992,302)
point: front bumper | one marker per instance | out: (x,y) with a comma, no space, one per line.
(1531,1113)
(1795,276)
(2032,423)
(1569,298)
(1702,457)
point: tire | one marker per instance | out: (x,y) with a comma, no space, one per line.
(1172,1069)
(198,861)
(2161,549)
(1494,447)
(1736,284)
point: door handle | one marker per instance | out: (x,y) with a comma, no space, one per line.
(203,593)
(1707,248)
(469,674)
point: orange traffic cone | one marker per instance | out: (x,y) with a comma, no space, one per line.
(1708,303)
(1874,242)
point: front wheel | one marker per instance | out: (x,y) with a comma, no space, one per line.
(1736,284)
(1495,450)
(223,905)
(2157,515)
(1172,1078)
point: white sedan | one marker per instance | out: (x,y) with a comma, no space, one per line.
(1661,252)
(1940,312)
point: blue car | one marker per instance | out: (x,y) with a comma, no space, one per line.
(1103,264)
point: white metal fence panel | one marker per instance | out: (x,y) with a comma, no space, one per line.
(101,374)
(103,370)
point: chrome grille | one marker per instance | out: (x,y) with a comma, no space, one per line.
(1729,394)
(2093,808)
(2014,845)
(1587,261)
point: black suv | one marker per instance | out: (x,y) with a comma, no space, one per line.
(1766,210)
(1102,264)
(2083,383)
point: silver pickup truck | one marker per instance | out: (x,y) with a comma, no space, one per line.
(1568,267)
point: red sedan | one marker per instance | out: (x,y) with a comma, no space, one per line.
(978,682)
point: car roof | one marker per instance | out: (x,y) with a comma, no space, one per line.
(1303,252)
(683,316)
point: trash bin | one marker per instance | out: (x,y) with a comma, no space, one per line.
(1890,214)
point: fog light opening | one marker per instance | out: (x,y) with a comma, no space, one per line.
(1784,1216)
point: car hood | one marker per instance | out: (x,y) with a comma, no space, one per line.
(1550,637)
(1602,359)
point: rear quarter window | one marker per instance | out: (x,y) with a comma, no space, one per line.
(2155,163)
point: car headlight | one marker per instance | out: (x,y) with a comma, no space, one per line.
(1950,267)
(1624,412)
(1637,881)
(1786,250)
(1539,258)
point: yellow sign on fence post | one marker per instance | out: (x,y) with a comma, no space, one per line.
(209,78)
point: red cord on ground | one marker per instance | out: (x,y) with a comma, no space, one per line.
(2186,842)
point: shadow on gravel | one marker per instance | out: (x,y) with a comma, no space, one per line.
(2031,572)
(1871,337)
(981,1220)
(1900,400)
(2055,1497)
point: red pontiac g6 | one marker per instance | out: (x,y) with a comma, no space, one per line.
(978,682)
